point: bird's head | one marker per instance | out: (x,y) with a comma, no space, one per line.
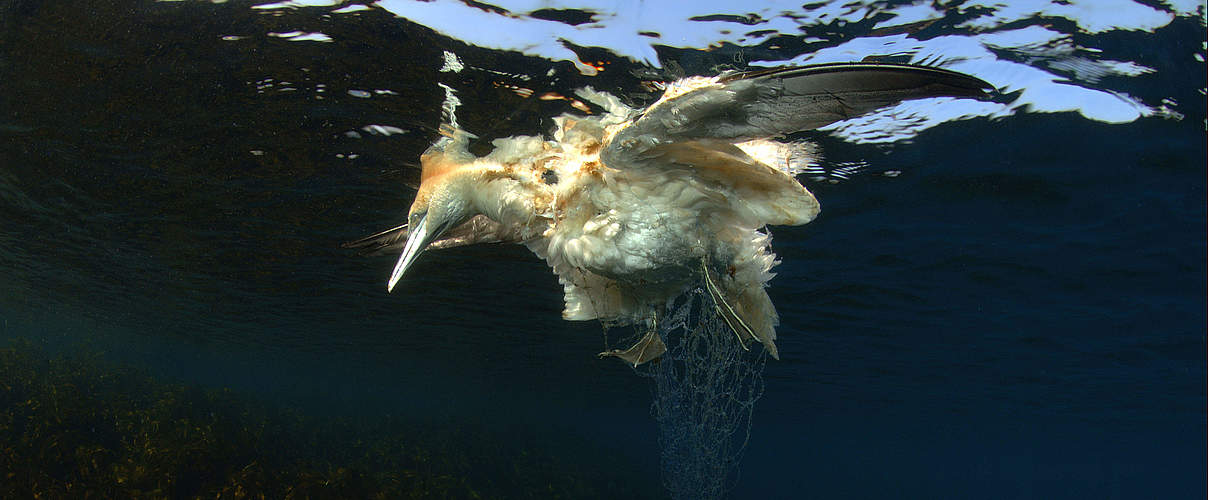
(443,202)
(455,186)
(444,199)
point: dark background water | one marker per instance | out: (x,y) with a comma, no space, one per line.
(1020,313)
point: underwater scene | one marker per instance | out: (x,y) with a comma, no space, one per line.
(603,249)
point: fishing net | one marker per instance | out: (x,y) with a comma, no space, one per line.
(705,388)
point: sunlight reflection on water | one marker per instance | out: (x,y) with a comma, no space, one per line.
(1032,50)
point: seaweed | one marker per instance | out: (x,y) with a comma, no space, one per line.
(77,426)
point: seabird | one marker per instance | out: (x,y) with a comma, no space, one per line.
(633,207)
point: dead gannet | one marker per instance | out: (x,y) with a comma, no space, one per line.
(634,207)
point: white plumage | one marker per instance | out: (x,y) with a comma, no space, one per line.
(633,207)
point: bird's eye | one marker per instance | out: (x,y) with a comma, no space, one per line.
(549,177)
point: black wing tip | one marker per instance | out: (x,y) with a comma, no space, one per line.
(377,240)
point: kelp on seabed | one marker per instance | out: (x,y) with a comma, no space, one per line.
(80,427)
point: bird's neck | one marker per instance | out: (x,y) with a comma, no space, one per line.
(502,199)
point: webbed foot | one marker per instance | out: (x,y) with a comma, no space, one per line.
(649,348)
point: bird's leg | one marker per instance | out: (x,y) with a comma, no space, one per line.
(724,309)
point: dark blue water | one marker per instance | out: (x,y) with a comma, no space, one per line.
(1020,313)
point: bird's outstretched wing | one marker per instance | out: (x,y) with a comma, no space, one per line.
(758,105)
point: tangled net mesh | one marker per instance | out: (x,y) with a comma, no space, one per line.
(705,388)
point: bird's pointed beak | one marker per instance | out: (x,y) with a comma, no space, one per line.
(418,239)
